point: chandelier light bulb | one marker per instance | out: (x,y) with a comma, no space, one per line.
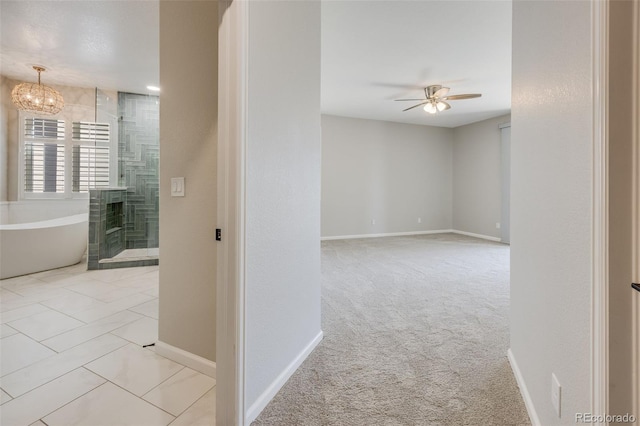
(440,106)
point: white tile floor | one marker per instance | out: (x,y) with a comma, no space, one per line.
(135,253)
(71,353)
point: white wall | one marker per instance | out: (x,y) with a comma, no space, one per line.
(551,202)
(282,259)
(188,148)
(388,172)
(477,191)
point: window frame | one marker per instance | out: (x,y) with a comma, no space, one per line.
(71,114)
(22,140)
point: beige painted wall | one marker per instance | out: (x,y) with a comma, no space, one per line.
(477,193)
(392,173)
(188,145)
(620,206)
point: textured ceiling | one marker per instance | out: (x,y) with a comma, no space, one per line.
(377,51)
(105,44)
(372,52)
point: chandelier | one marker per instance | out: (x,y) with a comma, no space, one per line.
(37,98)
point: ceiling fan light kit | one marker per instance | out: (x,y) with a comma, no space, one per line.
(37,98)
(435,97)
(436,106)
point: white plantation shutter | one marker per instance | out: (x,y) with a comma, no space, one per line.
(44,141)
(90,156)
(63,159)
(44,128)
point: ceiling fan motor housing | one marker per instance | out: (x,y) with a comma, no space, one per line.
(430,91)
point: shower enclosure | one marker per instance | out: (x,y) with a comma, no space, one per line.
(123,216)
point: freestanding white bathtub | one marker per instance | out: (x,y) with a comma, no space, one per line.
(37,246)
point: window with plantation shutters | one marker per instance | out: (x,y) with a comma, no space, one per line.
(90,156)
(62,157)
(44,155)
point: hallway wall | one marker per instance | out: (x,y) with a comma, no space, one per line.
(551,204)
(188,148)
(282,253)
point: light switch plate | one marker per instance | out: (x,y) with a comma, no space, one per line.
(177,187)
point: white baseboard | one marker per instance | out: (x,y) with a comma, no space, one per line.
(471,234)
(399,234)
(531,410)
(389,234)
(262,401)
(187,359)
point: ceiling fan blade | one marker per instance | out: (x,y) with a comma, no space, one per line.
(415,106)
(446,106)
(409,99)
(458,97)
(441,93)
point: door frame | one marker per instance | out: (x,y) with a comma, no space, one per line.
(233,24)
(636,209)
(599,342)
(232,122)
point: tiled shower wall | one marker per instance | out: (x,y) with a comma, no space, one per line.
(138,161)
(106,236)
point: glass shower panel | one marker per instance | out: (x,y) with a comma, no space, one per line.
(107,113)
(123,230)
(139,156)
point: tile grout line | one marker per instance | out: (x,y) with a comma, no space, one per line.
(39,286)
(6,324)
(11,291)
(58,353)
(140,397)
(75,369)
(28,365)
(49,337)
(78,397)
(198,399)
(86,341)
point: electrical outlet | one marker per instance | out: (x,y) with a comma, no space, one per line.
(419,220)
(373,221)
(556,393)
(497,225)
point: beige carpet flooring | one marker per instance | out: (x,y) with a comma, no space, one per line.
(415,333)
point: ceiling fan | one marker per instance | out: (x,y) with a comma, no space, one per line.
(435,97)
